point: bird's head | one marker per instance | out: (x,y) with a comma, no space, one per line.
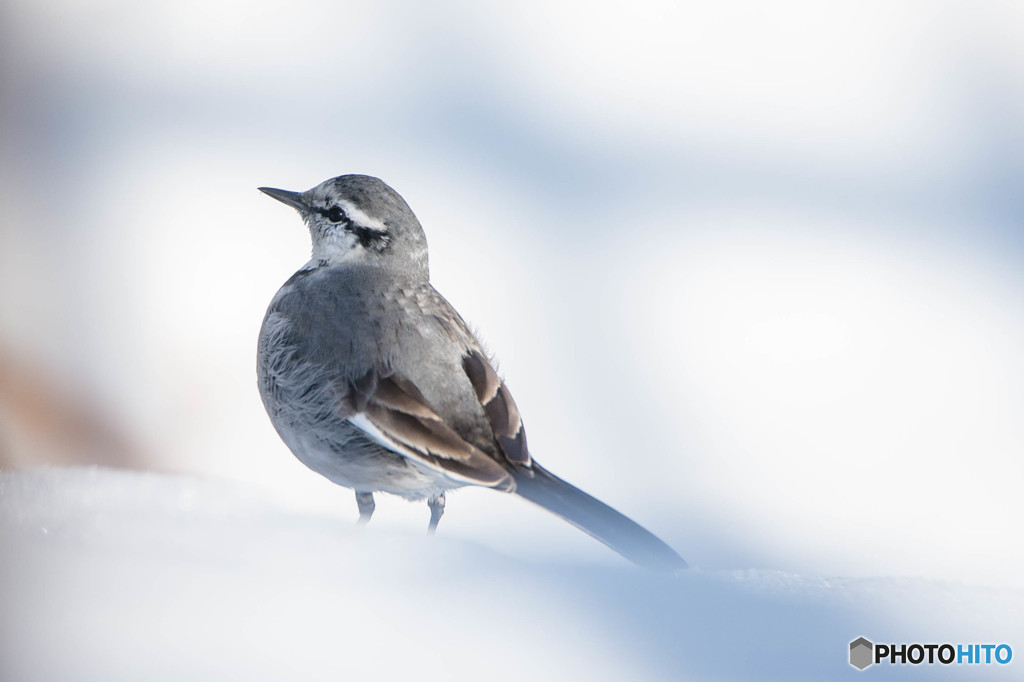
(360,219)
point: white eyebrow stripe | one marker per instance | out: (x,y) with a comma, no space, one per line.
(359,218)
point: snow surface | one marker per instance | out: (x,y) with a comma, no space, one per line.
(114,575)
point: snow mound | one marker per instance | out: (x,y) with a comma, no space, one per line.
(112,575)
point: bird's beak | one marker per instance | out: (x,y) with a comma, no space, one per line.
(293,199)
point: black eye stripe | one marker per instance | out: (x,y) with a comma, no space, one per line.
(369,238)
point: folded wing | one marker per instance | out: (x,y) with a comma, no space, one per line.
(394,413)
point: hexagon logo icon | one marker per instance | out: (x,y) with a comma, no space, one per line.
(862,653)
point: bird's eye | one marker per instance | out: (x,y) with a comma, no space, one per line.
(336,214)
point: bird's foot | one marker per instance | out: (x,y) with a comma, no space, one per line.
(366,507)
(436,504)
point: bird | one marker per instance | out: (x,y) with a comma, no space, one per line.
(373,380)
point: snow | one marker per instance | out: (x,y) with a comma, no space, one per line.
(116,575)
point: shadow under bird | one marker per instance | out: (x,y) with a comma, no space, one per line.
(374,381)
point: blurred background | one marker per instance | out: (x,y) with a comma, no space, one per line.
(752,271)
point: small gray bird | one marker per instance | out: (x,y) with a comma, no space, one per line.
(374,381)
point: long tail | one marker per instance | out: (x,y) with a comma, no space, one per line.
(597,519)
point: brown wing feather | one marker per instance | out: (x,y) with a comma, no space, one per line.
(499,407)
(400,394)
(399,411)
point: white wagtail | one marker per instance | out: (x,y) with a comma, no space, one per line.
(374,381)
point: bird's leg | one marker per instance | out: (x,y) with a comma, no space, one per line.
(366,507)
(436,504)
